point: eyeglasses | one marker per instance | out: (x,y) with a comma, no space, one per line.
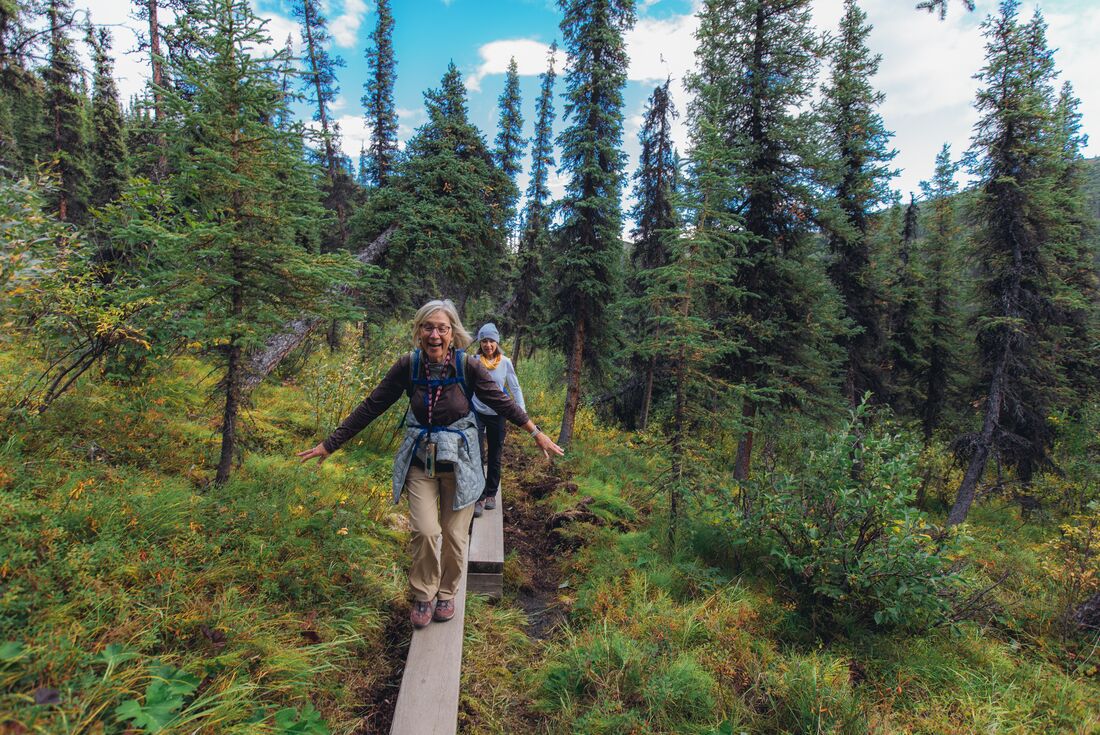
(443,329)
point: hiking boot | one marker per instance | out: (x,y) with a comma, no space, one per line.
(421,613)
(444,611)
(490,502)
(479,508)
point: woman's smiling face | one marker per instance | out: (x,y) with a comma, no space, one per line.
(436,334)
(489,347)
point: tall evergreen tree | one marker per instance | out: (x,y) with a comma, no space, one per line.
(108,145)
(23,129)
(695,280)
(250,205)
(653,214)
(378,98)
(64,106)
(857,182)
(149,11)
(534,241)
(509,141)
(362,175)
(448,211)
(762,56)
(907,309)
(319,84)
(586,261)
(940,295)
(285,74)
(1079,292)
(1011,154)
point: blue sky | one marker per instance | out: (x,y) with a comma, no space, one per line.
(926,71)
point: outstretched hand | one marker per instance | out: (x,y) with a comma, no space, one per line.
(547,445)
(317,451)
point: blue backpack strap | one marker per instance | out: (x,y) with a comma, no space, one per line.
(460,369)
(414,371)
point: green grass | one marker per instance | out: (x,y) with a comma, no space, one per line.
(131,589)
(121,562)
(666,643)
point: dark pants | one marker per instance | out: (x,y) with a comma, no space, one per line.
(492,427)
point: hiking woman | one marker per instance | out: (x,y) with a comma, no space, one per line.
(437,464)
(488,421)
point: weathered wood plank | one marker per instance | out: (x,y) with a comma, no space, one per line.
(486,553)
(428,701)
(489,584)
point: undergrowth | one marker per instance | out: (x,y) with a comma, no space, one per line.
(134,594)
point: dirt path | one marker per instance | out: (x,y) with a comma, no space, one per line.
(525,533)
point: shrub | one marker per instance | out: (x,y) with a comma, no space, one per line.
(1075,561)
(841,530)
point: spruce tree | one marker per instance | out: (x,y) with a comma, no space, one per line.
(586,262)
(250,206)
(654,217)
(535,238)
(856,176)
(108,144)
(1011,155)
(23,129)
(378,98)
(362,174)
(64,107)
(941,263)
(319,84)
(762,56)
(906,308)
(447,204)
(509,141)
(1076,255)
(149,11)
(686,292)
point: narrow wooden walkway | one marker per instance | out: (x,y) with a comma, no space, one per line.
(428,701)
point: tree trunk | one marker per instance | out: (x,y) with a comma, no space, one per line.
(229,416)
(974,470)
(158,83)
(677,421)
(647,395)
(677,451)
(743,462)
(334,335)
(573,387)
(276,348)
(516,346)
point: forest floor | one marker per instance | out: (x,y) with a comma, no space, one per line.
(136,597)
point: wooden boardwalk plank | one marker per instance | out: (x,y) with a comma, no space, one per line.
(428,701)
(486,553)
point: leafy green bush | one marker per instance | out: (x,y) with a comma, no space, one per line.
(840,528)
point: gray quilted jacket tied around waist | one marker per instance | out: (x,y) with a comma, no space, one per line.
(457,443)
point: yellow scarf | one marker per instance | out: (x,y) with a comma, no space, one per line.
(491,364)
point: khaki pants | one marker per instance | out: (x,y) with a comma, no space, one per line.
(431,515)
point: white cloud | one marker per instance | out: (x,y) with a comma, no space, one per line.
(659,50)
(280,29)
(131,65)
(345,28)
(530,59)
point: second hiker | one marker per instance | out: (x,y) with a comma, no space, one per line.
(491,424)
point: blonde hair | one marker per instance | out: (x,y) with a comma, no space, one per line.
(460,338)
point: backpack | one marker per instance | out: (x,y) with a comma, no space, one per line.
(460,377)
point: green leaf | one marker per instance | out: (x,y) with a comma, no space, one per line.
(11,651)
(290,722)
(115,654)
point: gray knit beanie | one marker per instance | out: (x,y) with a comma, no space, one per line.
(489,331)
